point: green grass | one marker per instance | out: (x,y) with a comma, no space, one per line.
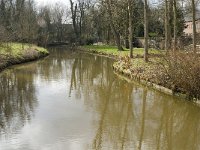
(17,49)
(40,49)
(113,50)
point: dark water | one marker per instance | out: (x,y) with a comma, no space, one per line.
(74,101)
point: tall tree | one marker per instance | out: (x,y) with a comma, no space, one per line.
(166,26)
(130,28)
(194,25)
(175,23)
(74,18)
(110,7)
(146,33)
(81,5)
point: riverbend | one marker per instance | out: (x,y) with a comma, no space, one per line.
(74,101)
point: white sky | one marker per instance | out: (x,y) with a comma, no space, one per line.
(66,2)
(51,2)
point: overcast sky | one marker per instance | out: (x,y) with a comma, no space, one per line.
(66,2)
(51,2)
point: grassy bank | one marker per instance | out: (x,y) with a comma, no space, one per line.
(133,68)
(112,51)
(15,53)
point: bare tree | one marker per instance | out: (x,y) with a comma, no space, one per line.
(175,23)
(74,18)
(81,5)
(166,26)
(110,5)
(194,25)
(146,33)
(130,28)
(58,17)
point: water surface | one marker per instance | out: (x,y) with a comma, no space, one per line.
(74,101)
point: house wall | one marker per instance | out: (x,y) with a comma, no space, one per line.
(189,28)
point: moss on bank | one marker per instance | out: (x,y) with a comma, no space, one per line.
(16,53)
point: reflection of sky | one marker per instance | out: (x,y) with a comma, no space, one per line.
(60,122)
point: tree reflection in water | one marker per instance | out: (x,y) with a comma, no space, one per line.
(132,116)
(17,99)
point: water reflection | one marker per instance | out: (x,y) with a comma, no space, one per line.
(130,116)
(73,100)
(17,99)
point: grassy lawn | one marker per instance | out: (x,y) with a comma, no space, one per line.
(17,49)
(113,50)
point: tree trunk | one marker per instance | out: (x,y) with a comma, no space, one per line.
(74,22)
(175,25)
(108,36)
(130,28)
(170,25)
(81,9)
(117,40)
(126,40)
(194,25)
(166,26)
(116,34)
(146,36)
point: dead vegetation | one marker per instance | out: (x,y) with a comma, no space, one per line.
(179,72)
(182,71)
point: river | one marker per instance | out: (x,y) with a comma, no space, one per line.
(74,101)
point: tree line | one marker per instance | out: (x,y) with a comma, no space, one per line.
(22,21)
(121,21)
(109,21)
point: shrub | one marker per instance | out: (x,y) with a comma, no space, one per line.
(182,70)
